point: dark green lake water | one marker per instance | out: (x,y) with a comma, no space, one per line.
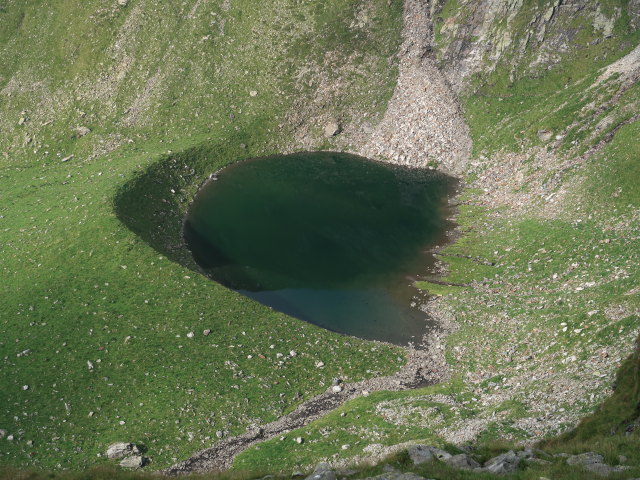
(330,238)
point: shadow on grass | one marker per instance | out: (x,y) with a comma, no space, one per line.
(154,203)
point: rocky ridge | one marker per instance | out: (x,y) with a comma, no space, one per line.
(504,464)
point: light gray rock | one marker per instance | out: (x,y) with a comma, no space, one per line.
(398,476)
(348,472)
(3,433)
(527,453)
(123,3)
(544,135)
(593,462)
(503,464)
(82,131)
(331,129)
(537,461)
(120,450)
(134,462)
(423,454)
(462,461)
(322,471)
(584,459)
(420,454)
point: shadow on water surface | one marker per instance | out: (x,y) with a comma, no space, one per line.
(330,238)
(337,244)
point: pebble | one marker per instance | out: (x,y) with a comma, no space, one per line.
(206,332)
(298,440)
(191,335)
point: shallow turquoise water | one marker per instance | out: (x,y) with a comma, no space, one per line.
(331,238)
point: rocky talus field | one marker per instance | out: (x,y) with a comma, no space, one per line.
(119,359)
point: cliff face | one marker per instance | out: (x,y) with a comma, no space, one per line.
(524,39)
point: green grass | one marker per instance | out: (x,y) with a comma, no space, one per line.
(94,269)
(93,265)
(543,297)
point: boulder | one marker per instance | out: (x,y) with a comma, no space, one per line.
(462,461)
(82,131)
(545,135)
(322,471)
(584,459)
(423,454)
(503,464)
(398,476)
(331,129)
(121,450)
(592,462)
(134,462)
(537,461)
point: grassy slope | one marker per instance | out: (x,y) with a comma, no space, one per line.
(592,238)
(79,286)
(519,281)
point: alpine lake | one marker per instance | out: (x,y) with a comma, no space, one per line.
(330,238)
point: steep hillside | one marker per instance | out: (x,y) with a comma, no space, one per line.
(113,114)
(546,306)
